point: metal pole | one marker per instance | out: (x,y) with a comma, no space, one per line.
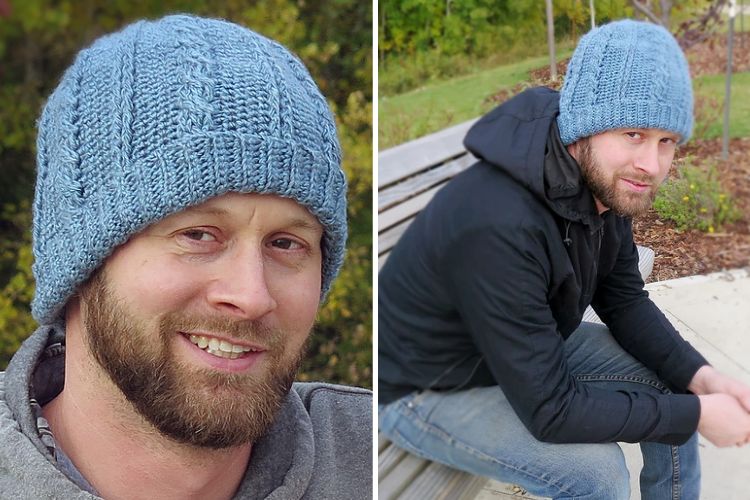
(551,41)
(593,14)
(728,90)
(742,22)
(742,18)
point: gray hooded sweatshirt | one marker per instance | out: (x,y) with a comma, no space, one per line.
(320,446)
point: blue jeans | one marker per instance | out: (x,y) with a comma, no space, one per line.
(476,430)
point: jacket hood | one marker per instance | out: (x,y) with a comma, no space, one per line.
(520,137)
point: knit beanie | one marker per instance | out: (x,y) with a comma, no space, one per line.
(164,115)
(626,74)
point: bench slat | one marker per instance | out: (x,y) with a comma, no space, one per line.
(414,185)
(382,443)
(382,259)
(412,478)
(409,468)
(407,209)
(389,458)
(443,483)
(645,266)
(406,159)
(388,238)
(646,258)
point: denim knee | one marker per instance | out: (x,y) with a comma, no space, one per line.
(604,477)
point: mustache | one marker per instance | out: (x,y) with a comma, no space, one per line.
(253,331)
(639,177)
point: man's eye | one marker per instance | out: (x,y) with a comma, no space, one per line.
(198,235)
(286,244)
(633,135)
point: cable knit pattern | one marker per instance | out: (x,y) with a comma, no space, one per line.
(165,115)
(626,74)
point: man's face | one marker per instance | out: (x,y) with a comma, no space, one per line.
(202,318)
(625,167)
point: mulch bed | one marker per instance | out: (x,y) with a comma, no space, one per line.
(710,57)
(686,253)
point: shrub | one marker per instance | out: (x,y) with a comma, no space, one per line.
(694,199)
(16,282)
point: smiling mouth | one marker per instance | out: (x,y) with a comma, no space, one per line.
(220,348)
(636,184)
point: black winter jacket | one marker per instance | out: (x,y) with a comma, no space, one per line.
(495,273)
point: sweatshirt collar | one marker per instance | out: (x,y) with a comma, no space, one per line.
(282,462)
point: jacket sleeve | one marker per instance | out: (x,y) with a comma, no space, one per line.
(638,325)
(500,281)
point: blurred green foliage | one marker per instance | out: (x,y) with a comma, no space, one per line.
(420,40)
(695,199)
(38,41)
(423,40)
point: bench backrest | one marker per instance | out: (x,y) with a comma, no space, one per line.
(410,174)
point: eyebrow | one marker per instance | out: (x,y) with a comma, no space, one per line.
(656,131)
(304,223)
(206,211)
(296,222)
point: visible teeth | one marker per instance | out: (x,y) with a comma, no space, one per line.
(223,354)
(220,348)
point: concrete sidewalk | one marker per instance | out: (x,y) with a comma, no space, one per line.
(711,312)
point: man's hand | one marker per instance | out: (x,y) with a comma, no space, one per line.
(708,380)
(723,421)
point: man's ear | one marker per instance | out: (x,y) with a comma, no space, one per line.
(73,308)
(573,150)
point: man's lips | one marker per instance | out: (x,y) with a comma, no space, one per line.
(222,347)
(636,185)
(222,352)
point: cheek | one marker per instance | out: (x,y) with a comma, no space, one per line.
(620,161)
(297,298)
(155,287)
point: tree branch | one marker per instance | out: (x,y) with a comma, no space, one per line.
(645,11)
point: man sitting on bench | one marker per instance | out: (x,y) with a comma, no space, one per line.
(484,362)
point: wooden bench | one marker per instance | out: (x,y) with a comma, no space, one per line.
(409,175)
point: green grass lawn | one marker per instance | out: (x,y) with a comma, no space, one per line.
(441,104)
(710,119)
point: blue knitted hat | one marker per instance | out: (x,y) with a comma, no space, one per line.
(626,74)
(165,115)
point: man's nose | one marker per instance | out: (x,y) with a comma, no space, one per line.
(240,287)
(647,159)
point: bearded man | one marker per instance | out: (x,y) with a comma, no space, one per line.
(190,215)
(484,363)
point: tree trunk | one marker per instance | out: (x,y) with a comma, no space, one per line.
(551,41)
(666,13)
